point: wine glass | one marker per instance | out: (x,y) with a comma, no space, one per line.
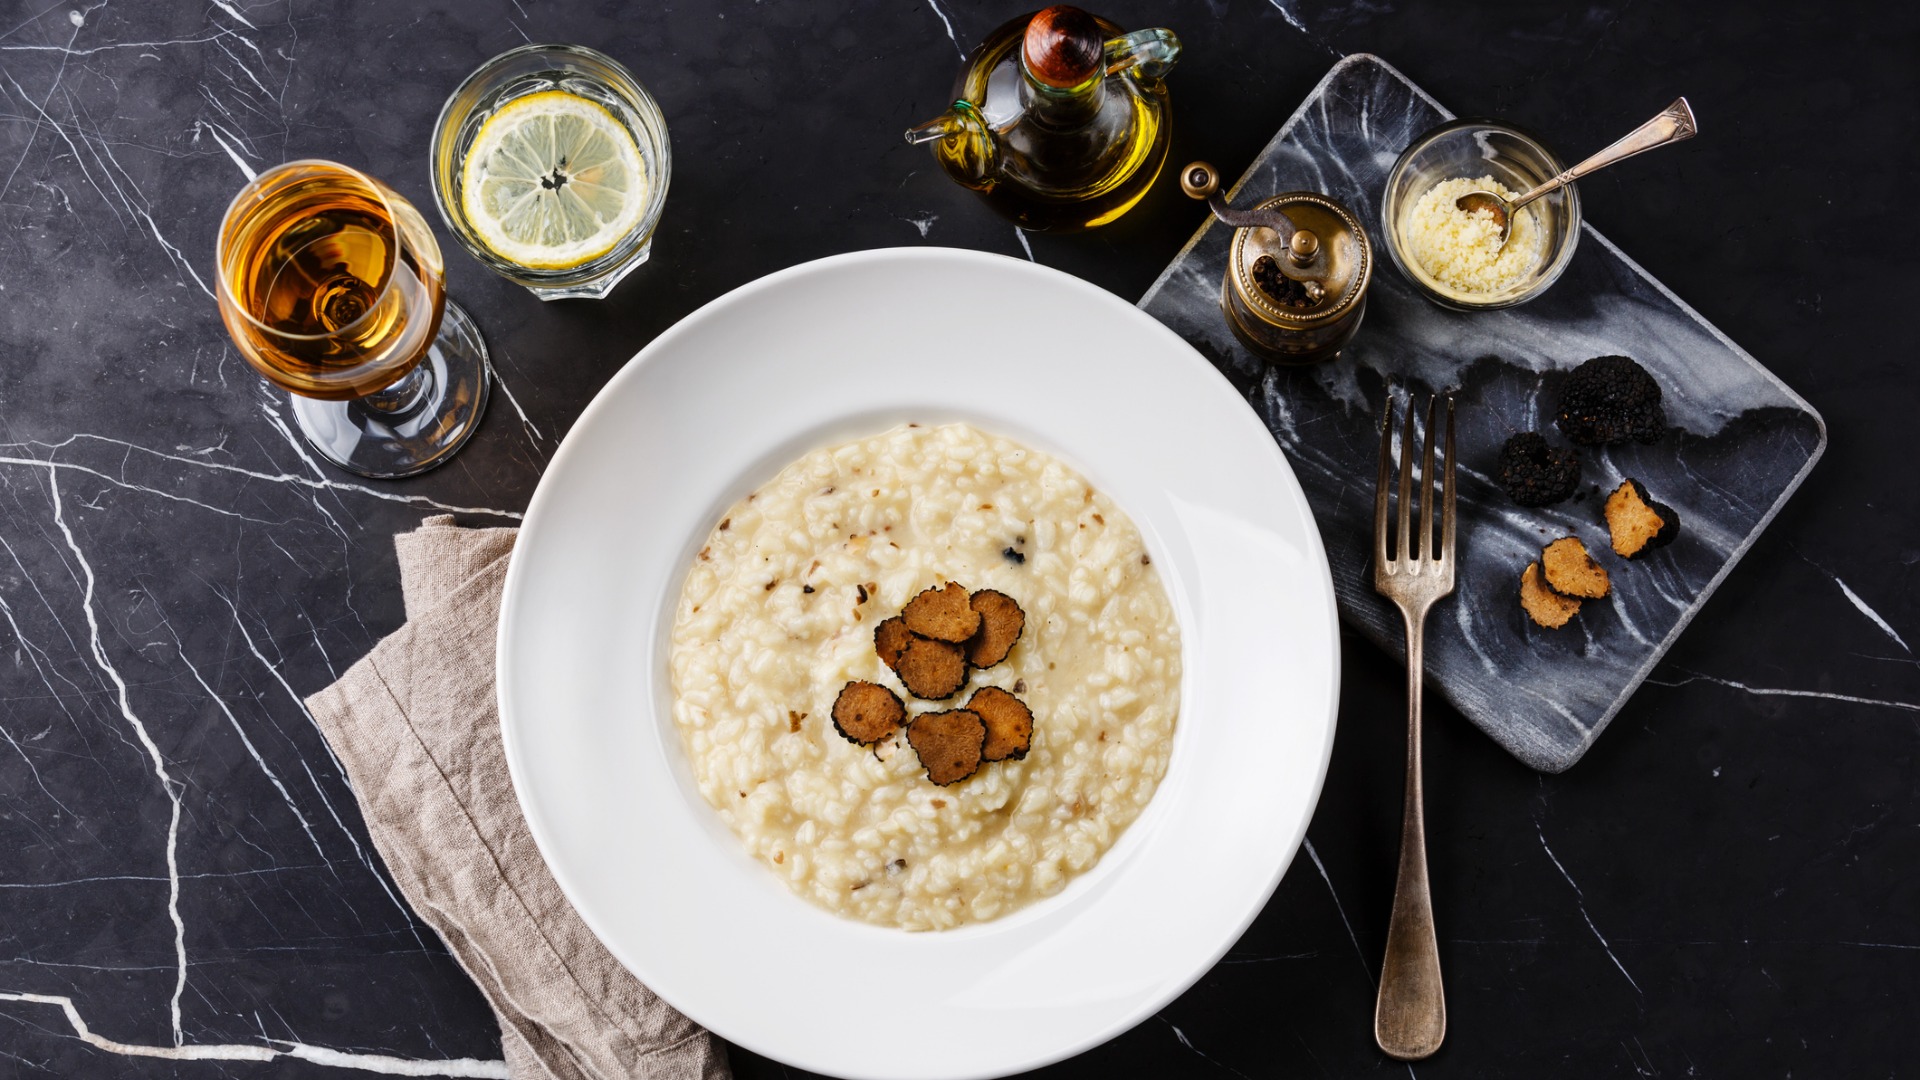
(331,285)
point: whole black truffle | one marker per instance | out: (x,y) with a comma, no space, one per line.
(1611,399)
(1536,474)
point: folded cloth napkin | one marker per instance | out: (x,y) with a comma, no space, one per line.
(416,726)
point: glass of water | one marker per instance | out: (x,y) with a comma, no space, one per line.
(550,164)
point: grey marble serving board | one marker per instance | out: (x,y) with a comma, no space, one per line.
(1741,440)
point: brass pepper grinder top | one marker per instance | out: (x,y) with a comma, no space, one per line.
(1296,282)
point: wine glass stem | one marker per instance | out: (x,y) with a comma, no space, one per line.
(403,394)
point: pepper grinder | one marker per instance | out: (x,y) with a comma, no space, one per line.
(1296,283)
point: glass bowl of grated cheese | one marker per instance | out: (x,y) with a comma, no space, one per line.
(1454,257)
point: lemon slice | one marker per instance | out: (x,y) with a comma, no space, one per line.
(552,181)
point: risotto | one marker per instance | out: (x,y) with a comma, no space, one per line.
(778,613)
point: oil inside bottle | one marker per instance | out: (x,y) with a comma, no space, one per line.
(1062,159)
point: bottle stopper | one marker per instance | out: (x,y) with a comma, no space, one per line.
(1063,47)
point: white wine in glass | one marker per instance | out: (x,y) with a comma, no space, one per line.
(331,286)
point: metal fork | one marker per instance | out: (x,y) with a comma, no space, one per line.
(1410,1015)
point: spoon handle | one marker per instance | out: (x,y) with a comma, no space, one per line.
(1674,123)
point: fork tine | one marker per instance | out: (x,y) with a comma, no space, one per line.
(1403,539)
(1428,490)
(1446,498)
(1380,486)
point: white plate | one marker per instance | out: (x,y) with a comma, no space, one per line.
(826,351)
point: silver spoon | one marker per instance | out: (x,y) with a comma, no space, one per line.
(1674,123)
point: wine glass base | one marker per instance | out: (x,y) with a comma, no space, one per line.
(416,424)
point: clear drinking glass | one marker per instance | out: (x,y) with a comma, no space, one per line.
(550,164)
(331,286)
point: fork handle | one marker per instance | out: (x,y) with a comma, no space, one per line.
(1410,1015)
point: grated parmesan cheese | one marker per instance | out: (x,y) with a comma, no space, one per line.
(1459,250)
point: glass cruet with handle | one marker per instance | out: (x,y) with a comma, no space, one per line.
(1059,119)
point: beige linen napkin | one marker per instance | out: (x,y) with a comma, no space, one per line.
(416,725)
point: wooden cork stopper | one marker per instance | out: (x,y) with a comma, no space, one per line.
(1063,46)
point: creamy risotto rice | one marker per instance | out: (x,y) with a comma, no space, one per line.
(778,612)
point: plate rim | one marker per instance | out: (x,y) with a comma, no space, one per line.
(1203,371)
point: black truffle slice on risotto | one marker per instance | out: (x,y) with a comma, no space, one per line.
(865,712)
(949,744)
(1009,723)
(890,639)
(942,613)
(932,669)
(1001,623)
(1636,523)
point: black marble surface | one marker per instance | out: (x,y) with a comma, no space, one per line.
(1724,886)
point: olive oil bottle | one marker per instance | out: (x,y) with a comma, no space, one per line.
(1060,119)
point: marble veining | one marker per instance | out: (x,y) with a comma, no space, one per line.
(1723,887)
(1741,441)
